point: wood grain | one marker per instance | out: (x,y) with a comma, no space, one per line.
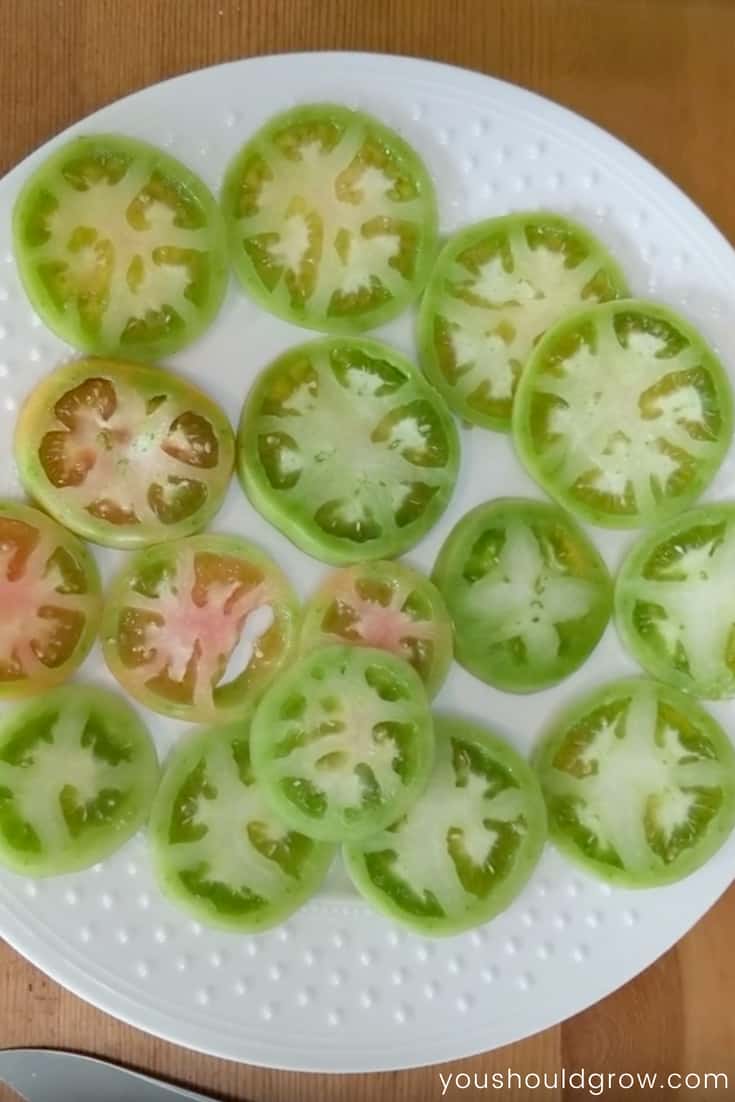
(657,73)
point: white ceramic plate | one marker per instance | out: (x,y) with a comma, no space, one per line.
(339,988)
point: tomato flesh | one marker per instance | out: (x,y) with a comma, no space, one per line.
(332,219)
(639,783)
(179,615)
(50,600)
(124,455)
(120,247)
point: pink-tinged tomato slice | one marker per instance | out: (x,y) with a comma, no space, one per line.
(387,605)
(197,628)
(49,601)
(123,454)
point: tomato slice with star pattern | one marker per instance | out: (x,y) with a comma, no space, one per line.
(50,601)
(197,628)
(121,248)
(332,219)
(124,454)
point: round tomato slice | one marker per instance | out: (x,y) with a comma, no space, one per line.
(675,603)
(120,247)
(528,592)
(342,743)
(332,219)
(123,454)
(466,847)
(495,289)
(623,414)
(639,783)
(386,605)
(347,449)
(197,628)
(50,601)
(218,849)
(78,773)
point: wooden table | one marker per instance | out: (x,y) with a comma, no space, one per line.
(657,73)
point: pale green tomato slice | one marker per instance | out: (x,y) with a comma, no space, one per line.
(342,743)
(675,601)
(78,773)
(467,846)
(332,219)
(196,628)
(218,849)
(50,601)
(623,413)
(639,783)
(494,291)
(345,447)
(527,590)
(386,605)
(121,248)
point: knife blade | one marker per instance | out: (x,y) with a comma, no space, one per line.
(44,1075)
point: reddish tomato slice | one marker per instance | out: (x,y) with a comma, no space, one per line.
(180,616)
(49,601)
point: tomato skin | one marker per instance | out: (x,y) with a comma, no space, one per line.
(189,767)
(37,422)
(259,148)
(286,508)
(397,585)
(152,163)
(85,596)
(126,751)
(438,297)
(364,704)
(553,747)
(468,562)
(709,437)
(454,735)
(654,573)
(245,568)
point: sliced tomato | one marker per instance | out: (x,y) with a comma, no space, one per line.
(466,848)
(78,773)
(675,601)
(218,849)
(639,783)
(494,291)
(332,219)
(50,601)
(123,454)
(342,743)
(197,628)
(387,605)
(528,592)
(623,413)
(346,448)
(121,248)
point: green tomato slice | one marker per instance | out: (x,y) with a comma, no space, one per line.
(121,248)
(50,601)
(467,846)
(78,773)
(494,291)
(342,743)
(332,219)
(623,414)
(675,604)
(639,783)
(124,454)
(387,605)
(528,593)
(218,849)
(346,448)
(196,628)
